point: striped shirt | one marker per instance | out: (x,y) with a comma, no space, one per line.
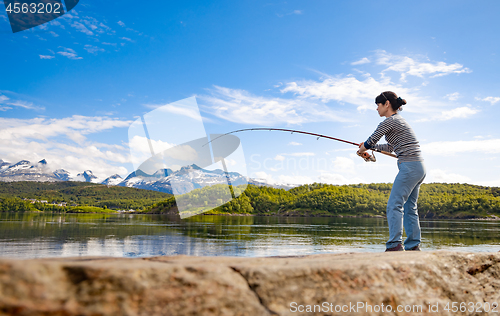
(400,138)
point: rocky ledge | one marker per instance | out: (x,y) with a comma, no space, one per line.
(403,283)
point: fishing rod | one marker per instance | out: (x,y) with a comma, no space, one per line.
(367,157)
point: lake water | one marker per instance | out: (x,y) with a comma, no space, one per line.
(34,235)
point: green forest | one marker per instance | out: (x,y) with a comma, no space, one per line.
(437,200)
(80,197)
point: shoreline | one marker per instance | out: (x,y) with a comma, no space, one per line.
(492,218)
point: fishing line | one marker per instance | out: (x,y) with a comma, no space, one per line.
(301,132)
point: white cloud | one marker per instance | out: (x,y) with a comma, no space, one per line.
(446,148)
(296,12)
(298,180)
(408,66)
(25,105)
(361,93)
(335,178)
(82,28)
(301,154)
(85,24)
(279,157)
(492,100)
(438,175)
(169,108)
(93,49)
(43,128)
(70,53)
(489,183)
(93,24)
(344,164)
(46,57)
(294,144)
(171,154)
(453,96)
(362,61)
(283,179)
(121,23)
(106,28)
(141,145)
(461,112)
(51,139)
(242,107)
(127,39)
(17,103)
(57,23)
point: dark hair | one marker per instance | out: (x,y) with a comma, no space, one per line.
(396,102)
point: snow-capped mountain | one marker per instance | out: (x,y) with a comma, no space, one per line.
(187,179)
(86,176)
(184,180)
(62,175)
(3,164)
(164,180)
(26,171)
(113,180)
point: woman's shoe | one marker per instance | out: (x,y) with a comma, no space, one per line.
(416,248)
(399,247)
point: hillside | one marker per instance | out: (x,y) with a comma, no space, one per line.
(81,193)
(437,200)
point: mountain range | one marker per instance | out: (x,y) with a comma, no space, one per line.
(164,180)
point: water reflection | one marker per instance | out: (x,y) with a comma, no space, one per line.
(33,235)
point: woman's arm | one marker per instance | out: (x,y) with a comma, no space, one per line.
(383,128)
(384,147)
(371,143)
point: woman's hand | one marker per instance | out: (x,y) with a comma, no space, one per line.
(361,149)
(363,154)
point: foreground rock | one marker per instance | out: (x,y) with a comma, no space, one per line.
(424,282)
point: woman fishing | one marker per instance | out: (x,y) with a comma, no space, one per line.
(402,204)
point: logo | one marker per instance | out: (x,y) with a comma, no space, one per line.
(172,138)
(25,14)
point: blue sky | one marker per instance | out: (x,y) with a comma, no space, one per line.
(70,89)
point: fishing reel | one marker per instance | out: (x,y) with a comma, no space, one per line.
(367,157)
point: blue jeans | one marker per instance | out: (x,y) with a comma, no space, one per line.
(402,205)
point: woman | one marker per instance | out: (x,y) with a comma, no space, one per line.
(402,204)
